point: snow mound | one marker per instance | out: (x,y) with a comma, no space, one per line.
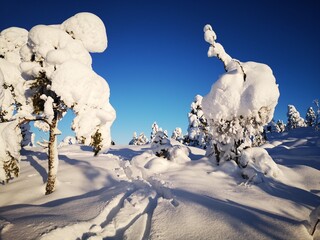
(179,154)
(157,165)
(68,140)
(120,198)
(169,148)
(88,28)
(258,163)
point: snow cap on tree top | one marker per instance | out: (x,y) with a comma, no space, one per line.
(209,35)
(11,40)
(89,29)
(14,36)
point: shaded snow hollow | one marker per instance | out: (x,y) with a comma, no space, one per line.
(129,193)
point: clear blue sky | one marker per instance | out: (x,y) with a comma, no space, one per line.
(156,61)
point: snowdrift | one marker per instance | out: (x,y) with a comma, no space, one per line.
(129,193)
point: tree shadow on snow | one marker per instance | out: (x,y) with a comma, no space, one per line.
(88,170)
(57,212)
(127,153)
(195,157)
(34,163)
(296,156)
(297,195)
(86,148)
(240,217)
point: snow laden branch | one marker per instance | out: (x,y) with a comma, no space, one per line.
(241,102)
(217,50)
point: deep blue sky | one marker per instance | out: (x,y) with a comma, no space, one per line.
(156,60)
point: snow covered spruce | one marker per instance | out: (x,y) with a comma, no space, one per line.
(239,104)
(294,119)
(54,60)
(198,126)
(12,100)
(139,140)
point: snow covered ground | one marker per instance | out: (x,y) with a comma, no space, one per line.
(129,193)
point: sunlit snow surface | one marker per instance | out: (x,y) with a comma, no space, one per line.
(129,193)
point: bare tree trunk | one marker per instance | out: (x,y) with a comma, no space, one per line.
(53,160)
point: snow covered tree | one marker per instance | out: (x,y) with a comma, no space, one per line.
(12,85)
(12,100)
(294,119)
(310,117)
(177,135)
(155,129)
(140,140)
(56,66)
(161,144)
(68,140)
(272,127)
(10,139)
(134,139)
(198,126)
(281,126)
(241,102)
(317,123)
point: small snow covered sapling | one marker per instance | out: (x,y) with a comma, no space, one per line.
(177,135)
(294,119)
(56,64)
(198,126)
(10,138)
(155,128)
(161,144)
(317,122)
(164,148)
(241,102)
(310,117)
(140,140)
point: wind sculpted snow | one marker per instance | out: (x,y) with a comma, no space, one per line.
(129,193)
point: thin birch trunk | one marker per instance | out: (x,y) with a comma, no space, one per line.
(53,160)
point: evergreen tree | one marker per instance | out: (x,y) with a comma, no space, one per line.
(161,144)
(294,119)
(281,126)
(12,102)
(238,105)
(311,117)
(317,122)
(177,135)
(155,129)
(140,140)
(198,127)
(134,139)
(272,127)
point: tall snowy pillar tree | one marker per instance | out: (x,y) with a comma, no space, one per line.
(54,61)
(239,104)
